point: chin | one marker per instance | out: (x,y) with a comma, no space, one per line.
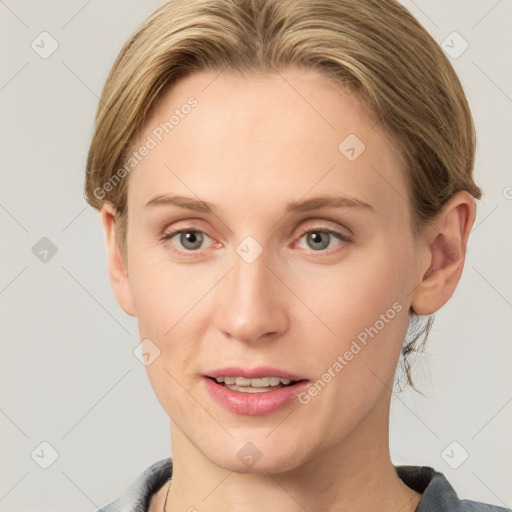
(259,456)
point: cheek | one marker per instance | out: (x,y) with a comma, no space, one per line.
(171,300)
(163,292)
(364,309)
(353,295)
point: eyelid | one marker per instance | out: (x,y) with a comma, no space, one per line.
(313,226)
(183,226)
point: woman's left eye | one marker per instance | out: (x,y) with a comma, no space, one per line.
(320,239)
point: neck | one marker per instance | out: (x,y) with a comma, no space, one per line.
(356,474)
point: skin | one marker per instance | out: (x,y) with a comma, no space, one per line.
(249,147)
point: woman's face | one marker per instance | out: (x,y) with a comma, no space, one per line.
(301,267)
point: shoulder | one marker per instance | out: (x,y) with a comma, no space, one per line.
(137,495)
(437,493)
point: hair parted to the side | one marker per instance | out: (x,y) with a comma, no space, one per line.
(375,47)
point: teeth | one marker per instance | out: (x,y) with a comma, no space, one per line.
(264,382)
(240,381)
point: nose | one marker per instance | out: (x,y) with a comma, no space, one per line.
(252,302)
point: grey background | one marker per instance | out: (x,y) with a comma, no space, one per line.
(67,369)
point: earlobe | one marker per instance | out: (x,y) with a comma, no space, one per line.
(116,266)
(447,251)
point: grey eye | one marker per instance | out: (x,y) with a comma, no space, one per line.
(319,240)
(191,240)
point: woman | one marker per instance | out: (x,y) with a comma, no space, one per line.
(285,187)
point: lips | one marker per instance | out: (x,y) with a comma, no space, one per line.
(255,391)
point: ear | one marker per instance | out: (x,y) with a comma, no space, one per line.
(447,252)
(116,266)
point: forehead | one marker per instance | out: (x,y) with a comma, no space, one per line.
(275,137)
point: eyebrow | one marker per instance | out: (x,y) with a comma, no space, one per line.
(305,205)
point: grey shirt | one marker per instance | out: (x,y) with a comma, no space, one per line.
(438,494)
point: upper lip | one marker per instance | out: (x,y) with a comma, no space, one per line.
(259,372)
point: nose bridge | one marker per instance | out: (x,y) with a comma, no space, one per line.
(250,278)
(249,305)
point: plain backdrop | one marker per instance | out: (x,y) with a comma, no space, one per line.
(69,378)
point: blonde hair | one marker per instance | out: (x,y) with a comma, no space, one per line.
(376,47)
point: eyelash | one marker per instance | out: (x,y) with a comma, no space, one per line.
(307,229)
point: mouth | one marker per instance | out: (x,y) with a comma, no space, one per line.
(253,392)
(258,385)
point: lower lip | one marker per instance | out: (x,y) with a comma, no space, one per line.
(254,404)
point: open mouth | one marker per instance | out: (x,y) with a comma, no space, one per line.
(259,385)
(260,391)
